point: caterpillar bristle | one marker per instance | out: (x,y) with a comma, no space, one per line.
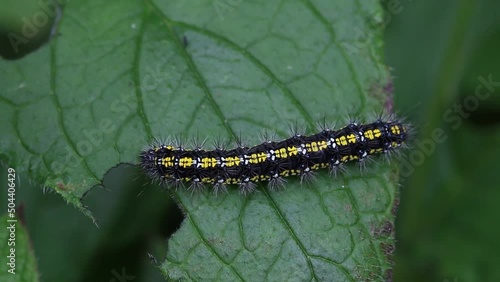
(247,188)
(277,183)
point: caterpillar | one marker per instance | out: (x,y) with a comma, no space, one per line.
(272,161)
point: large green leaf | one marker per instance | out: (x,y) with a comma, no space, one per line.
(120,73)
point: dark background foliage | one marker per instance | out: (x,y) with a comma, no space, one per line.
(441,53)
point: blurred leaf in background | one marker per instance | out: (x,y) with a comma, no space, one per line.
(15,242)
(447,67)
(25,25)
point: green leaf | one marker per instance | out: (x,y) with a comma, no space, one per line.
(17,259)
(118,74)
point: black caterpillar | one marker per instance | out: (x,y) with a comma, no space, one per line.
(272,161)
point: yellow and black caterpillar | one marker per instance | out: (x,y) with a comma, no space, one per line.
(272,161)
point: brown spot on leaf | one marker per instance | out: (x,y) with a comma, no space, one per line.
(61,186)
(385,230)
(388,275)
(395,206)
